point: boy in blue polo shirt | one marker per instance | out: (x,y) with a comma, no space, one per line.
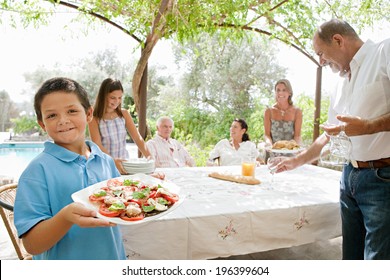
(50,224)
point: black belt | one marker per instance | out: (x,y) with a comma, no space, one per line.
(379,163)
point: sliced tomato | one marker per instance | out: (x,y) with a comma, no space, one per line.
(103,209)
(138,201)
(114,183)
(152,194)
(123,216)
(130,189)
(95,198)
(172,199)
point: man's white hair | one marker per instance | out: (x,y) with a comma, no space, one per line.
(164,118)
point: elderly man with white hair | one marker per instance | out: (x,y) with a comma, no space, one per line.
(165,151)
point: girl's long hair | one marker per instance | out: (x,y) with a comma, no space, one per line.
(107,86)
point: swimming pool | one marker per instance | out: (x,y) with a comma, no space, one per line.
(15,156)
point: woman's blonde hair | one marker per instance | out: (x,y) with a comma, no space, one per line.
(289,88)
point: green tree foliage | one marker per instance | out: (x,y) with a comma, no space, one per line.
(306,104)
(26,125)
(96,67)
(90,71)
(163,92)
(227,75)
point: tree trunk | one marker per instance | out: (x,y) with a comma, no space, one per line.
(142,126)
(140,78)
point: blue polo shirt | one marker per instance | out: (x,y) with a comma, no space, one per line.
(46,186)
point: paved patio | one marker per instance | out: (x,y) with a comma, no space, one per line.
(321,250)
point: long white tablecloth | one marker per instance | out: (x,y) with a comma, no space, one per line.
(220,218)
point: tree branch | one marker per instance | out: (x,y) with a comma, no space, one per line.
(261,31)
(285,30)
(274,8)
(69,5)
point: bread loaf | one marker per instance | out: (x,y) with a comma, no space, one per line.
(235,178)
(285,145)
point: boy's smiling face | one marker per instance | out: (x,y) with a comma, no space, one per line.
(64,119)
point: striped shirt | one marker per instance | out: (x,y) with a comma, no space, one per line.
(169,153)
(113,134)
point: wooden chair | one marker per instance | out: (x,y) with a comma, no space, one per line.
(7,199)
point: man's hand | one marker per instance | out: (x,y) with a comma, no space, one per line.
(355,125)
(351,125)
(286,164)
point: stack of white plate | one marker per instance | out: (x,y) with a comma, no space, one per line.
(139,165)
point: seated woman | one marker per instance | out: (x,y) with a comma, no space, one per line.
(233,151)
(283,121)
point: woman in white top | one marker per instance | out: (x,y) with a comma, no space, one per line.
(233,151)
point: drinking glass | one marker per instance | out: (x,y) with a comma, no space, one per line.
(337,151)
(248,167)
(272,162)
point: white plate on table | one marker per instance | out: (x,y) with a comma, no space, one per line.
(285,151)
(144,171)
(138,162)
(82,196)
(138,165)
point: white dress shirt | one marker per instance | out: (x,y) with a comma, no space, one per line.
(169,153)
(228,155)
(366,95)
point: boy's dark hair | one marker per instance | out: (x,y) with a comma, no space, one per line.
(63,85)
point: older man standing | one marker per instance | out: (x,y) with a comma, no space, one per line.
(363,105)
(168,152)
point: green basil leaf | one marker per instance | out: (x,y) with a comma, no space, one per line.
(117,206)
(148,208)
(100,193)
(129,182)
(162,201)
(138,195)
(117,192)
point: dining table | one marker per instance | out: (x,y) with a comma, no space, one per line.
(218,218)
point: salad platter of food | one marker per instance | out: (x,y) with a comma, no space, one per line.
(132,199)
